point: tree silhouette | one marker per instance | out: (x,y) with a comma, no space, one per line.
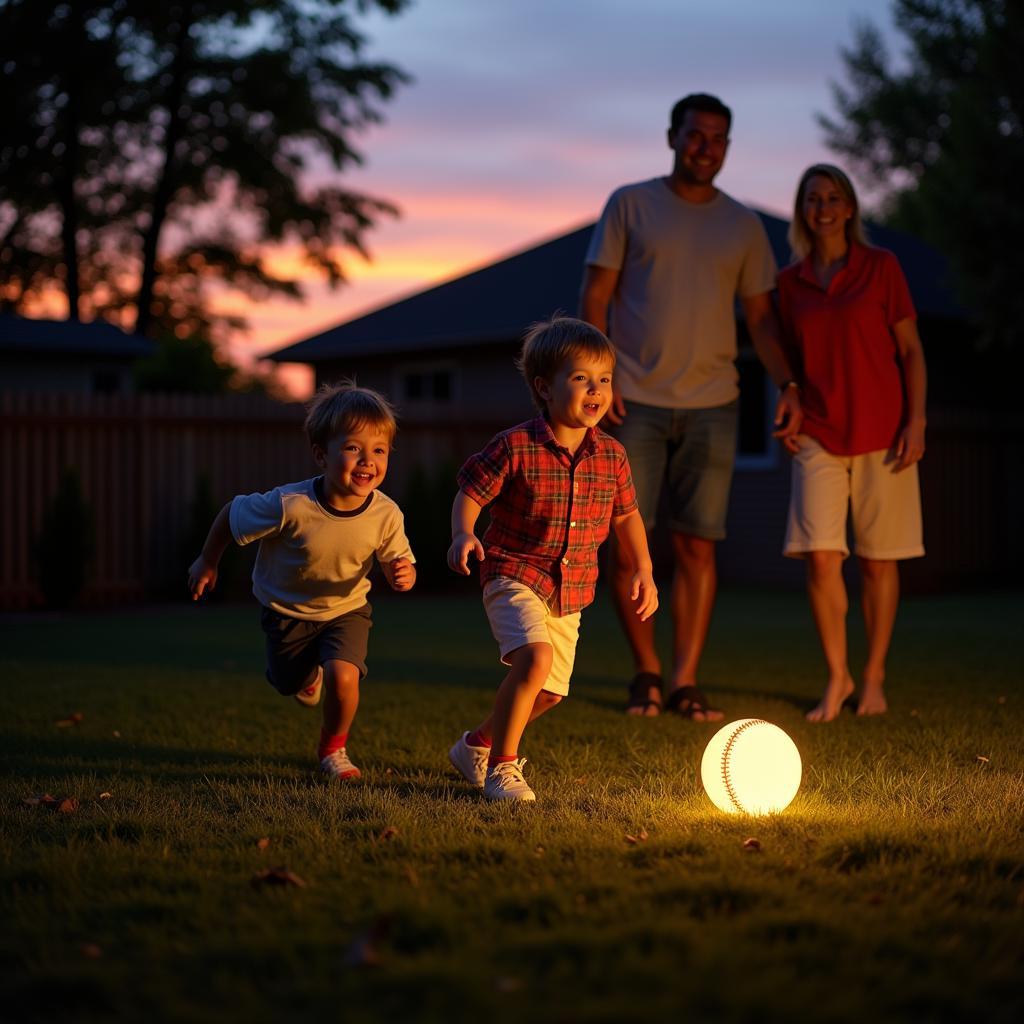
(943,137)
(149,152)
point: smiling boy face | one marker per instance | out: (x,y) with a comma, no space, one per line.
(579,392)
(354,464)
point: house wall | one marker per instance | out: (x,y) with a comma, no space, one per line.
(56,373)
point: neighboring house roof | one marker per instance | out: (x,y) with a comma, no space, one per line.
(69,337)
(495,303)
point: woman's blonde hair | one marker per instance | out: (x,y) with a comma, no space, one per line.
(801,241)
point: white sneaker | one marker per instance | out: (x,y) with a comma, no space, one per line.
(338,766)
(470,761)
(505,782)
(310,696)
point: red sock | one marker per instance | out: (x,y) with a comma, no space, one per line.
(476,739)
(501,759)
(329,743)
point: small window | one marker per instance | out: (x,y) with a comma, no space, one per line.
(106,382)
(427,385)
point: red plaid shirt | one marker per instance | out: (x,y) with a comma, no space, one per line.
(551,510)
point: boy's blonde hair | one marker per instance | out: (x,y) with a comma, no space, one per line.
(550,343)
(343,408)
(800,239)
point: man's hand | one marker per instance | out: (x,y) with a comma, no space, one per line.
(910,446)
(202,577)
(400,573)
(788,416)
(464,545)
(643,591)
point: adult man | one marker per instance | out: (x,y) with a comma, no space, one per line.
(666,263)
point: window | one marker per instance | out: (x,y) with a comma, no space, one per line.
(426,384)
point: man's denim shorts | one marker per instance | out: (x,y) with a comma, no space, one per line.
(691,452)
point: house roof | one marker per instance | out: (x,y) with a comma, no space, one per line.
(69,337)
(495,303)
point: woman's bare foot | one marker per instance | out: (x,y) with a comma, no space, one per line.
(832,702)
(872,699)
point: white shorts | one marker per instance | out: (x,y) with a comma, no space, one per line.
(885,507)
(518,616)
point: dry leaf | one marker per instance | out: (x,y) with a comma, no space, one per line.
(116,734)
(580,780)
(68,805)
(642,835)
(982,759)
(539,851)
(106,796)
(631,839)
(752,845)
(389,833)
(91,950)
(73,719)
(262,844)
(277,876)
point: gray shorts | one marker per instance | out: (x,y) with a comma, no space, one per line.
(297,647)
(692,452)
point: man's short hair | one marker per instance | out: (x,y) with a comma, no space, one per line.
(703,102)
(548,344)
(343,408)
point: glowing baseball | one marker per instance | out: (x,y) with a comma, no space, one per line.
(751,767)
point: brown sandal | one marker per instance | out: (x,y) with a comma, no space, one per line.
(689,700)
(640,693)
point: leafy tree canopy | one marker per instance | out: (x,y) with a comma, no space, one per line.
(149,152)
(942,136)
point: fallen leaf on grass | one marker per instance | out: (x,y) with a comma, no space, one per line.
(66,805)
(640,837)
(389,833)
(277,876)
(752,845)
(580,780)
(116,734)
(106,796)
(981,759)
(262,844)
(91,950)
(73,719)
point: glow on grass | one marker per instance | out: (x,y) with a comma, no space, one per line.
(751,767)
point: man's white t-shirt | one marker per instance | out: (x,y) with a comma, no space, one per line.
(682,266)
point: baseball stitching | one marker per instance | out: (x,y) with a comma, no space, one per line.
(726,751)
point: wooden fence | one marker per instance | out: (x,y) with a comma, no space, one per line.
(141,461)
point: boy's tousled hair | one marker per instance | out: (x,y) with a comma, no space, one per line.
(701,101)
(344,407)
(800,239)
(549,343)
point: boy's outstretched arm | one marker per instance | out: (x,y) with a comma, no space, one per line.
(465,512)
(202,573)
(632,539)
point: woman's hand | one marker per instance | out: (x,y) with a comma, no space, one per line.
(910,445)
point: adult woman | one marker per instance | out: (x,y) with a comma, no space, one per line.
(848,313)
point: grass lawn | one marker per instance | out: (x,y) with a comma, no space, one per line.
(891,889)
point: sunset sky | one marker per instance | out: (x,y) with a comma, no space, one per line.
(522,117)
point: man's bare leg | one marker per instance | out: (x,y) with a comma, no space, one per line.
(694,585)
(880,596)
(829,604)
(639,635)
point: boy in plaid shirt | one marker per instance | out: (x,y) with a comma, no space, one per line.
(555,484)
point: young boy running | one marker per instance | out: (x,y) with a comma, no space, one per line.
(555,484)
(318,540)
